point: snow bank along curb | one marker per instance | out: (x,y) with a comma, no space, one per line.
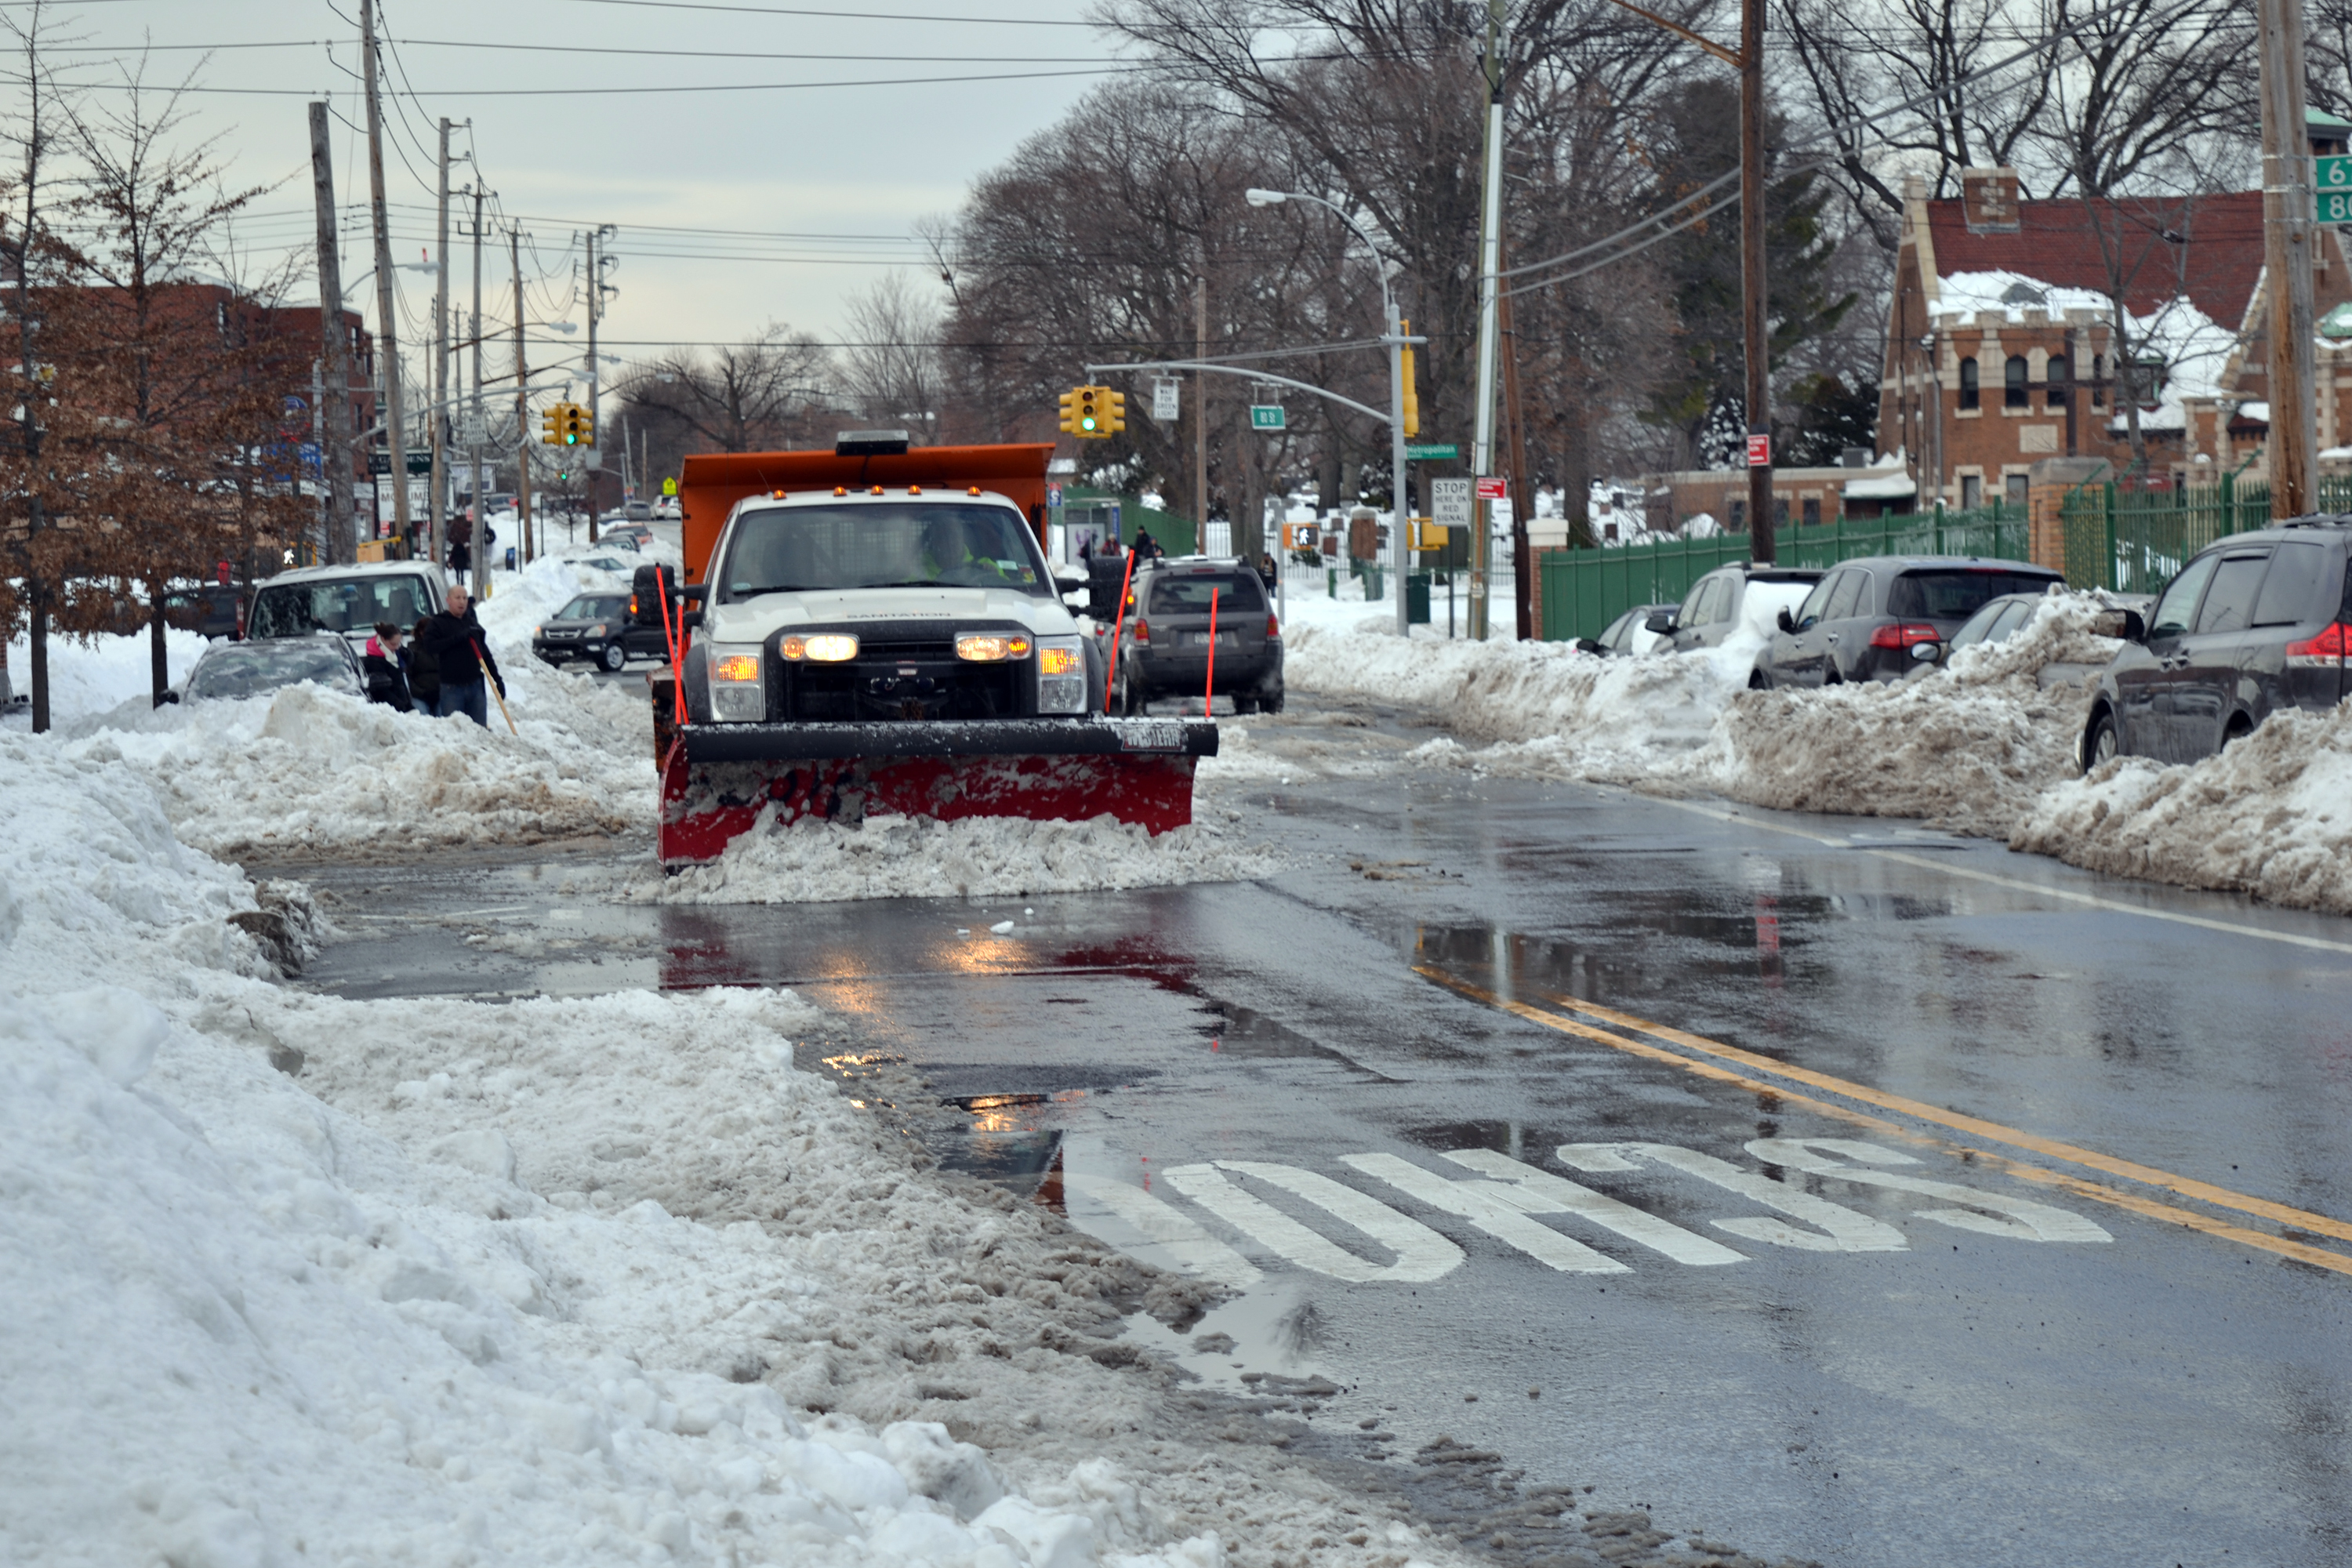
(579,1281)
(1971,746)
(2271,815)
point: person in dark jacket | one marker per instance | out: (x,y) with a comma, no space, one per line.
(422,670)
(462,654)
(461,556)
(387,683)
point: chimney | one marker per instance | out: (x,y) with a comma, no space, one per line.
(1990,199)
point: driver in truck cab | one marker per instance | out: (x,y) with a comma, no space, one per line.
(948,557)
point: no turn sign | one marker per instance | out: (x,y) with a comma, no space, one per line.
(1759,451)
(1492,488)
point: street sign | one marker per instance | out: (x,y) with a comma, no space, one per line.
(2335,199)
(1265,416)
(1759,451)
(670,487)
(1449,503)
(2333,174)
(1052,494)
(1491,488)
(1164,398)
(1443,452)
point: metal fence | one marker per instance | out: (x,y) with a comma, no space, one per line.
(1584,590)
(2132,541)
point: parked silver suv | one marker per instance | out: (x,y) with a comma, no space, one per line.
(1728,597)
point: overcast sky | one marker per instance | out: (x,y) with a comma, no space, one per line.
(822,183)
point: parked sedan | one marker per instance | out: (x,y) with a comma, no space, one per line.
(2254,624)
(595,626)
(1629,635)
(231,670)
(1995,622)
(1741,595)
(1879,617)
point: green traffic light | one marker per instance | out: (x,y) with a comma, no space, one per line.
(1087,423)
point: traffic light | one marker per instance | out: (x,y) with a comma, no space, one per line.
(1090,414)
(550,424)
(1069,401)
(1411,392)
(1113,411)
(579,426)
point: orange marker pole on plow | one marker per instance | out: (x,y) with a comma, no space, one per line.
(1209,698)
(1118,620)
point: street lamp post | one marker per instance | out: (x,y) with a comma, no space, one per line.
(1392,334)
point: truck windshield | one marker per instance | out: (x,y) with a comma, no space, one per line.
(915,543)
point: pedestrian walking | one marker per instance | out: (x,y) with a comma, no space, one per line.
(462,653)
(387,683)
(461,557)
(1267,570)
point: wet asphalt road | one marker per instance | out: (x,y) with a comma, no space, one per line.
(2123,1343)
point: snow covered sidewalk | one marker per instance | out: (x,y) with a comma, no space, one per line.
(297,1278)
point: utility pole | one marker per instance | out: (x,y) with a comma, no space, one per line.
(522,407)
(1201,400)
(387,331)
(1522,497)
(475,431)
(335,444)
(2290,227)
(590,460)
(1481,447)
(439,506)
(1760,544)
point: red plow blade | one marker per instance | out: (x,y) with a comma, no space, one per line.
(718,779)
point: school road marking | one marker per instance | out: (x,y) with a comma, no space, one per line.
(1991,1132)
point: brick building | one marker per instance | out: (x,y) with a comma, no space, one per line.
(2002,349)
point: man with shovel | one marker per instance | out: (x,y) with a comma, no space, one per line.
(454,639)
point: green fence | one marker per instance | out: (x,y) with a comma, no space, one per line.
(1584,590)
(2134,541)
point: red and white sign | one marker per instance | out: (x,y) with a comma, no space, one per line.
(1494,489)
(1759,451)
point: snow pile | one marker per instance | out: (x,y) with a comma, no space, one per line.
(1970,747)
(814,861)
(90,676)
(2270,815)
(295,1279)
(1596,718)
(305,770)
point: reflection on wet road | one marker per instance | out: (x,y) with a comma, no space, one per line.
(1840,1189)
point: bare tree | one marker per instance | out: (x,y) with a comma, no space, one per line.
(891,371)
(747,397)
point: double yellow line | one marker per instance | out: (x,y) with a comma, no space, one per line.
(1729,1064)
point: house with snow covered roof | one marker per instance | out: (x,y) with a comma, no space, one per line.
(2022,331)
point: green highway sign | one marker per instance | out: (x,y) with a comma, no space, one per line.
(1439,454)
(2334,180)
(1267,417)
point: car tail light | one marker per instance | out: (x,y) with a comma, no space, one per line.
(1903,634)
(2327,648)
(1273,629)
(1142,632)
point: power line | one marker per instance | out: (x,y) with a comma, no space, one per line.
(852,15)
(639,92)
(475,47)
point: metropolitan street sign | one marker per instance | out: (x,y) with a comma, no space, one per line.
(2334,178)
(1423,452)
(1265,416)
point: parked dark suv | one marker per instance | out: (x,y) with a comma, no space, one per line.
(1879,617)
(1163,648)
(2254,624)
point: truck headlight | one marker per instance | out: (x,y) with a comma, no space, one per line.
(824,648)
(1061,676)
(738,694)
(990,647)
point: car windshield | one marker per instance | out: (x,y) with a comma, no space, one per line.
(250,669)
(1957,593)
(339,604)
(911,544)
(592,607)
(1188,594)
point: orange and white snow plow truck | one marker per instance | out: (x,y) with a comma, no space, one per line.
(879,630)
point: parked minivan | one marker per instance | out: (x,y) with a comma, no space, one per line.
(1879,617)
(2252,624)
